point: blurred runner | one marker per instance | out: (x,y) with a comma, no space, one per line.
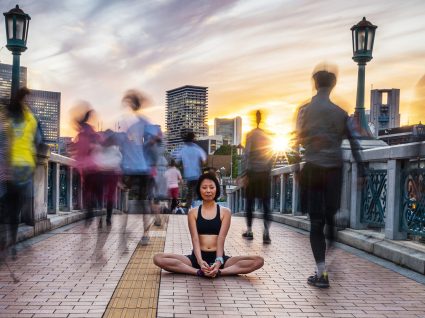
(87,143)
(321,127)
(25,137)
(258,164)
(173,177)
(192,157)
(135,166)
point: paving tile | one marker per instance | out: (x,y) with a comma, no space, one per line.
(359,288)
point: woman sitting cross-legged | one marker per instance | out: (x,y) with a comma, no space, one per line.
(208,226)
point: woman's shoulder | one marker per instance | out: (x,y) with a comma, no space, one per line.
(225,211)
(193,212)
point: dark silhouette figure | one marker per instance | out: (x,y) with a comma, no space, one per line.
(258,164)
(321,127)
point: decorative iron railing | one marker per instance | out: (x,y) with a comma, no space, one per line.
(289,185)
(413,201)
(374,198)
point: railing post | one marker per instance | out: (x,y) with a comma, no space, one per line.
(356,197)
(343,215)
(272,190)
(392,219)
(282,193)
(55,188)
(69,189)
(295,194)
(40,183)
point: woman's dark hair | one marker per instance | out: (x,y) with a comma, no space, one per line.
(208,176)
(16,106)
(172,163)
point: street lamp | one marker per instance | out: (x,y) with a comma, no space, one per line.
(363,36)
(17,22)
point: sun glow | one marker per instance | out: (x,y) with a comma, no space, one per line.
(280,143)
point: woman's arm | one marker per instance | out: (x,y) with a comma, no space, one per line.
(191,218)
(225,225)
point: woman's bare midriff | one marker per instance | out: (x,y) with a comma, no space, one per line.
(208,242)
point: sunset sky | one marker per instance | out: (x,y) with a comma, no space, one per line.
(250,54)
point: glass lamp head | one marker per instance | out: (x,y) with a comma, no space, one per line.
(17,23)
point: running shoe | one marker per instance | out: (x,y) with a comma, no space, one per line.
(320,282)
(248,235)
(266,239)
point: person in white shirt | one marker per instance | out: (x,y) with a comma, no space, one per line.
(173,177)
(192,158)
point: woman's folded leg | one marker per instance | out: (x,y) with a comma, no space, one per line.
(174,263)
(242,265)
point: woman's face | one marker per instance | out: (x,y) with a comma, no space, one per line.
(208,190)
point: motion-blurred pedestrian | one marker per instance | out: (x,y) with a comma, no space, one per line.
(108,160)
(87,143)
(258,164)
(135,165)
(25,137)
(321,127)
(193,158)
(173,177)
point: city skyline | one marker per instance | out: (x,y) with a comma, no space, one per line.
(251,55)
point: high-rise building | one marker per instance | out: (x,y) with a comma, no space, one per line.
(210,143)
(46,107)
(187,109)
(384,109)
(6,82)
(230,129)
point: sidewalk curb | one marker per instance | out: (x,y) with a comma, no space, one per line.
(403,253)
(53,222)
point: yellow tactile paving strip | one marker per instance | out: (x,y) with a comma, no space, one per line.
(137,292)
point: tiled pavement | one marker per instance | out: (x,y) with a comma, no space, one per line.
(74,271)
(70,272)
(359,288)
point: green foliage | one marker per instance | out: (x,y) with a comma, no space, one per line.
(225,150)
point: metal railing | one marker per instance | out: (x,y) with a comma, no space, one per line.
(391,197)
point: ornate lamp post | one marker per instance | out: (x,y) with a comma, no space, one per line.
(17,22)
(363,36)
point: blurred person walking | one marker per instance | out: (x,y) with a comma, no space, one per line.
(87,143)
(193,158)
(108,160)
(321,127)
(135,164)
(173,177)
(25,137)
(258,164)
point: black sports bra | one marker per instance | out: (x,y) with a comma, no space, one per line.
(205,226)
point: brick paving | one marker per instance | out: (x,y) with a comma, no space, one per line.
(77,271)
(359,288)
(71,273)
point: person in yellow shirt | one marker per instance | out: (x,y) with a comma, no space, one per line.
(25,135)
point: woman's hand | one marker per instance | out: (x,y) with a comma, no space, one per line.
(204,267)
(214,268)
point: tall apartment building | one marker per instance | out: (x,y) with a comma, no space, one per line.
(6,82)
(230,129)
(384,109)
(46,107)
(187,110)
(210,143)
